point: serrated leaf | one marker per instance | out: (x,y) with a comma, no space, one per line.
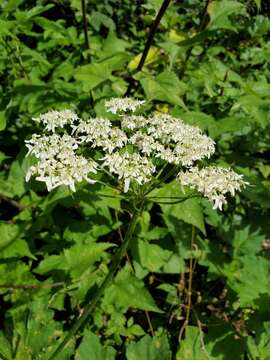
(16,177)
(220,12)
(190,347)
(129,292)
(150,348)
(152,256)
(164,87)
(78,258)
(259,346)
(92,75)
(189,211)
(91,348)
(11,244)
(39,333)
(9,234)
(240,275)
(74,260)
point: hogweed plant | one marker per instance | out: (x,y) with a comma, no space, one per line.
(138,153)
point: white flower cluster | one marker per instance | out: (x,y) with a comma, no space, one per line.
(133,122)
(130,167)
(129,151)
(100,133)
(116,105)
(58,163)
(55,119)
(213,182)
(168,138)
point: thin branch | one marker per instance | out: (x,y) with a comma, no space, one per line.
(189,290)
(201,336)
(12,202)
(149,41)
(190,274)
(152,331)
(85,25)
(31,286)
(152,32)
(175,202)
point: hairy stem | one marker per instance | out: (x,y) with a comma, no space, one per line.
(149,41)
(106,282)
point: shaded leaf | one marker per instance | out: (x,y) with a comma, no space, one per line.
(150,348)
(91,348)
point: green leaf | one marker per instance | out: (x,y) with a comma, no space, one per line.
(152,55)
(9,234)
(39,332)
(190,347)
(152,256)
(240,274)
(189,210)
(259,346)
(129,292)
(221,11)
(18,248)
(91,348)
(92,75)
(78,258)
(258,4)
(221,342)
(11,5)
(3,120)
(16,177)
(98,19)
(113,45)
(150,348)
(74,260)
(164,87)
(5,348)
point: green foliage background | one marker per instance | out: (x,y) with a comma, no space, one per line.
(209,65)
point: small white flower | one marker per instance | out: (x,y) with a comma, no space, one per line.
(133,122)
(115,105)
(63,171)
(213,182)
(100,133)
(57,162)
(44,147)
(184,144)
(130,167)
(160,136)
(57,119)
(192,148)
(145,143)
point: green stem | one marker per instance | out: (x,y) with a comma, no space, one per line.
(106,282)
(162,180)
